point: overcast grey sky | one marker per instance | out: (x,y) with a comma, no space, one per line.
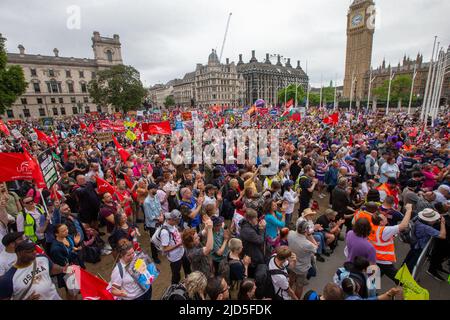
(165,39)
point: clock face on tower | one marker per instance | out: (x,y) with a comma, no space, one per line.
(357,19)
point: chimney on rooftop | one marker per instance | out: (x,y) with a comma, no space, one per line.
(21,49)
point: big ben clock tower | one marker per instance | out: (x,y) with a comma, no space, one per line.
(360,30)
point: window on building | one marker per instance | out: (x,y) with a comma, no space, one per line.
(93,75)
(52,100)
(52,86)
(41,112)
(87,109)
(68,74)
(81,74)
(74,110)
(70,86)
(72,100)
(59,87)
(109,55)
(63,111)
(51,73)
(83,87)
(23,100)
(86,99)
(10,113)
(39,100)
(26,113)
(99,109)
(55,111)
(61,100)
(37,87)
(33,72)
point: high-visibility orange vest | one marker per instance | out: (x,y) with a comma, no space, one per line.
(406,148)
(385,250)
(384,187)
(363,214)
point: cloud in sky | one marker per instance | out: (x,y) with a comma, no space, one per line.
(166,39)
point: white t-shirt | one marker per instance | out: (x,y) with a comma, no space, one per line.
(280,281)
(7,260)
(126,283)
(172,239)
(16,281)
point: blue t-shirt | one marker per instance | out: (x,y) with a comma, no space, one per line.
(424,233)
(192,204)
(272,224)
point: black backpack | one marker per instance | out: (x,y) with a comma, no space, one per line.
(175,292)
(264,284)
(409,234)
(224,268)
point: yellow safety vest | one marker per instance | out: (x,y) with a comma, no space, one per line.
(29,224)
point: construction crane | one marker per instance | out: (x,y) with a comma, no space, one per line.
(225,36)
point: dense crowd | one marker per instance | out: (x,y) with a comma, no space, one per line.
(364,182)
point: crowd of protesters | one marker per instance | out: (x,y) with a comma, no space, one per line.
(234,232)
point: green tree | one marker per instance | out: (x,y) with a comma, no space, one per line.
(400,89)
(119,86)
(12,80)
(169,101)
(290,94)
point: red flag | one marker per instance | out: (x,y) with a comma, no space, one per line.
(296,117)
(290,103)
(350,141)
(335,118)
(263,111)
(124,155)
(37,173)
(91,287)
(83,126)
(66,155)
(91,128)
(39,250)
(221,122)
(128,182)
(43,137)
(4,128)
(157,127)
(103,186)
(55,138)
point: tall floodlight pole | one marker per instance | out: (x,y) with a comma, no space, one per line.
(440,80)
(391,76)
(307,87)
(428,84)
(335,93)
(351,91)
(370,89)
(432,84)
(296,89)
(444,72)
(412,88)
(321,88)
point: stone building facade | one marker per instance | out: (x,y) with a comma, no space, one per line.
(159,92)
(184,90)
(57,86)
(263,79)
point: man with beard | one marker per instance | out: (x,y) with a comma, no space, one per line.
(153,214)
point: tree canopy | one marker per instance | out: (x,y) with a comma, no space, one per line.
(400,89)
(290,94)
(12,80)
(119,86)
(169,101)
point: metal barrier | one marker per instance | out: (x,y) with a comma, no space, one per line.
(422,259)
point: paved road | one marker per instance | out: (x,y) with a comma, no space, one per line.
(326,270)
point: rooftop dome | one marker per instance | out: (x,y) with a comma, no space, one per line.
(213,58)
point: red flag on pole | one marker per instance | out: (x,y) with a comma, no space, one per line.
(43,137)
(4,128)
(83,126)
(55,138)
(290,103)
(37,173)
(296,117)
(221,122)
(350,141)
(124,155)
(91,128)
(157,128)
(91,287)
(103,186)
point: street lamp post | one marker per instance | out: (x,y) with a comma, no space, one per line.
(428,85)
(351,91)
(391,76)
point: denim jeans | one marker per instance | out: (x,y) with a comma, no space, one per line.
(146,296)
(320,238)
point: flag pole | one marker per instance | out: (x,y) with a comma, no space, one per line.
(335,92)
(428,84)
(321,88)
(412,88)
(307,87)
(391,76)
(432,84)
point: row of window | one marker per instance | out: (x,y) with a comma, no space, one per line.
(42,113)
(217,96)
(24,101)
(55,87)
(51,73)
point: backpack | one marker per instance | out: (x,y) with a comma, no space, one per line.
(224,268)
(264,283)
(156,238)
(175,291)
(409,234)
